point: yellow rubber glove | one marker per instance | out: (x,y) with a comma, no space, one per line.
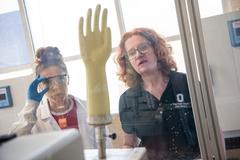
(95,50)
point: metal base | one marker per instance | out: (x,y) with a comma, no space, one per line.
(101,141)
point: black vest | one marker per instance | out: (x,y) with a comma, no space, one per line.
(143,115)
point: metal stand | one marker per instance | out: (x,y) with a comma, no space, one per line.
(100,122)
(101,141)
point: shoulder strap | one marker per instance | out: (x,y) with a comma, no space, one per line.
(180,85)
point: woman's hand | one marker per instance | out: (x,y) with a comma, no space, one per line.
(33,93)
(129,140)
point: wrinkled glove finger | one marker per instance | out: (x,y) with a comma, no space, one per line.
(108,41)
(96,18)
(82,39)
(88,22)
(104,20)
(81,34)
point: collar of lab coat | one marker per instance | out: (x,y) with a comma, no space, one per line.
(44,109)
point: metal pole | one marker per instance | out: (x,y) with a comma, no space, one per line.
(101,141)
(199,80)
(204,73)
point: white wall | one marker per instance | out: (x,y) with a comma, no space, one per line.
(224,62)
(18,88)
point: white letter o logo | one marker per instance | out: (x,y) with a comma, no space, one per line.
(180,97)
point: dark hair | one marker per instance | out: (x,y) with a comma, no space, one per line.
(162,51)
(48,56)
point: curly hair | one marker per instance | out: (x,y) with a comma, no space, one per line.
(162,50)
(48,56)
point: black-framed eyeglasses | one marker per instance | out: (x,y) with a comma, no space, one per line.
(142,48)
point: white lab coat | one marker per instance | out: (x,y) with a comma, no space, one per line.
(36,118)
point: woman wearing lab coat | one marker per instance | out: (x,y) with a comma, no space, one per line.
(49,107)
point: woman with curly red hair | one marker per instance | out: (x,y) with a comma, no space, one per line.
(156,108)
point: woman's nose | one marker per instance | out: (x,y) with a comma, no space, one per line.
(138,53)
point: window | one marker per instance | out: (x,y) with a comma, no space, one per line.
(13,42)
(55,22)
(157,14)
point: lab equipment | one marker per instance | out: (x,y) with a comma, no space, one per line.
(95,50)
(223,61)
(5,97)
(58,145)
(7,137)
(234,32)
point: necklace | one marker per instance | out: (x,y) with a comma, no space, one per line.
(62,122)
(61,117)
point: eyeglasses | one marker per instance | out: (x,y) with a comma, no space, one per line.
(58,78)
(142,48)
(50,81)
